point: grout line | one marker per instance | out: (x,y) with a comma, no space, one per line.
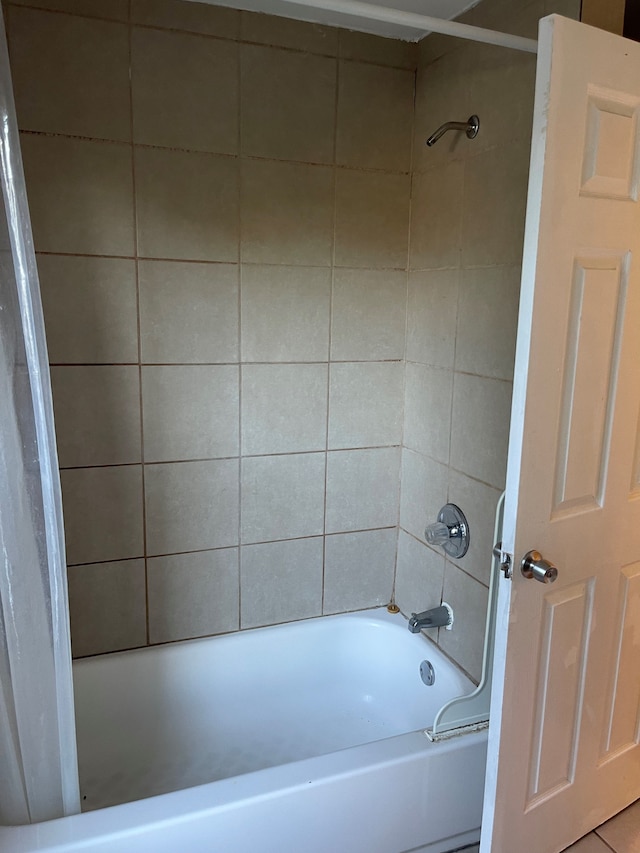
(66,14)
(456,470)
(315,452)
(406,332)
(452,369)
(342,167)
(604,841)
(75,137)
(90,364)
(334,185)
(239,325)
(139,333)
(439,367)
(503,265)
(6,21)
(227,263)
(273,46)
(217,154)
(252,628)
(483,376)
(133,559)
(232,547)
(440,554)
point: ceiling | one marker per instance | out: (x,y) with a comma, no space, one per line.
(446,9)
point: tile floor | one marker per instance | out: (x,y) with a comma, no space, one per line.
(621,834)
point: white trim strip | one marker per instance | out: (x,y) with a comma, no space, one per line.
(420,22)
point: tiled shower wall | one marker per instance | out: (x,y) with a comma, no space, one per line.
(467,228)
(223,234)
(220,204)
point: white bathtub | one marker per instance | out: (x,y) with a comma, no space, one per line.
(301,737)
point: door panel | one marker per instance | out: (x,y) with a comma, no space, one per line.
(621,730)
(563,750)
(566,618)
(596,317)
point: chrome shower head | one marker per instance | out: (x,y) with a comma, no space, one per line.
(470,127)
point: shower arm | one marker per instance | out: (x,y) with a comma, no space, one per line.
(470,127)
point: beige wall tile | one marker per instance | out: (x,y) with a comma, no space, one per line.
(431,317)
(427,419)
(285,32)
(478,502)
(489,300)
(419,578)
(185,91)
(90,309)
(282,497)
(493,11)
(191,506)
(281,581)
(284,408)
(568,8)
(97,412)
(368,314)
(107,603)
(285,313)
(362,489)
(372,215)
(190,412)
(435,46)
(359,570)
(115,10)
(375,117)
(80,195)
(382,51)
(193,595)
(187,205)
(493,232)
(287,213)
(287,104)
(365,404)
(501,86)
(423,493)
(192,17)
(188,312)
(50,54)
(525,19)
(480,427)
(102,513)
(465,641)
(436,216)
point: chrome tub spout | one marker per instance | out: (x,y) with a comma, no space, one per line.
(437,617)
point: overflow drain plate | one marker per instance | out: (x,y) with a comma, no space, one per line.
(427,672)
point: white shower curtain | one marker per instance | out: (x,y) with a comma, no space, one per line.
(38,766)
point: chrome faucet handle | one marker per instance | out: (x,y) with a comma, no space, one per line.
(451,531)
(437,533)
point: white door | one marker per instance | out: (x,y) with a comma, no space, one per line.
(565,724)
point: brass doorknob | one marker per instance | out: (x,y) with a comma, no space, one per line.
(535,566)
